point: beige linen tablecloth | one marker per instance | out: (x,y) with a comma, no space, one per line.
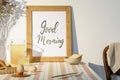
(45,71)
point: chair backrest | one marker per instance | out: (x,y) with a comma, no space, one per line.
(106,67)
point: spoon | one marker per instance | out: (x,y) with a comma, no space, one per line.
(67,75)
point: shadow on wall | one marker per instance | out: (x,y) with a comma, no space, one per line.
(8,17)
(37,51)
(98,69)
(74,36)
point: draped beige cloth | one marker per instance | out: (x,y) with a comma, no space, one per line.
(113,56)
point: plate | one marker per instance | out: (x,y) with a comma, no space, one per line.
(20,75)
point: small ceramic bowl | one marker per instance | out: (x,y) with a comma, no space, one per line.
(73,61)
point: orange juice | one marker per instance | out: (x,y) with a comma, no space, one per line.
(17,51)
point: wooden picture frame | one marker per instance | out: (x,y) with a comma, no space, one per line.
(48,33)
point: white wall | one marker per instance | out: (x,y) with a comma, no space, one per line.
(96,23)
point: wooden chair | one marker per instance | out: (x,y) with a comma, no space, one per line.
(108,71)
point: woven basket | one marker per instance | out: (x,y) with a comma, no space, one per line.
(73,61)
(8,70)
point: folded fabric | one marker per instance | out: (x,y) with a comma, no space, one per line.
(113,56)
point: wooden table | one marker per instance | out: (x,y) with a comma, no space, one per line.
(46,70)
